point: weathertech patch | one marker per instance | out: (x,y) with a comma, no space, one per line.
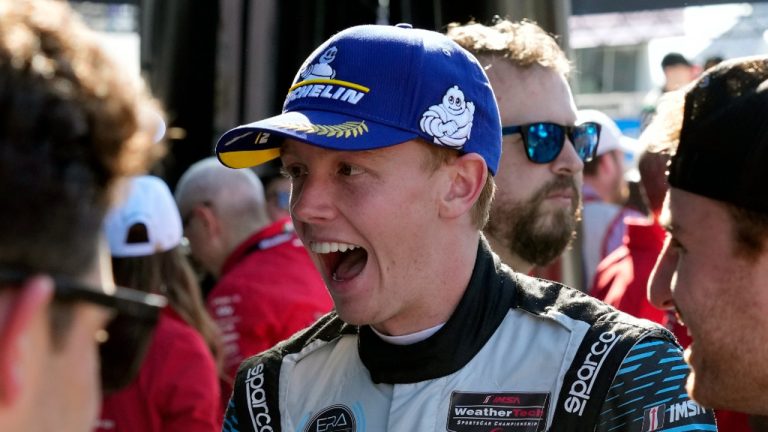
(497,412)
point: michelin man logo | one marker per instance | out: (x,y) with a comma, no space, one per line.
(321,69)
(450,122)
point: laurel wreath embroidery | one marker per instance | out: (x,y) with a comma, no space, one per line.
(343,130)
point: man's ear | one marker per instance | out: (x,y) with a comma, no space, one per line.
(209,220)
(466,175)
(21,308)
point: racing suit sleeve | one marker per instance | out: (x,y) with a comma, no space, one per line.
(231,422)
(648,393)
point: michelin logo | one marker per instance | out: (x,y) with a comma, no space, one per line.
(322,69)
(318,80)
(590,368)
(450,122)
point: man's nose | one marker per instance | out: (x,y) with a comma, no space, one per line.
(311,199)
(568,162)
(660,282)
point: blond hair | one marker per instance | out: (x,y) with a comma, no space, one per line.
(524,43)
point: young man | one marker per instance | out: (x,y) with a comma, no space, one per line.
(391,136)
(714,266)
(72,125)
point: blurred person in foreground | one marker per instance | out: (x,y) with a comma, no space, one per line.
(392,181)
(713,269)
(267,287)
(177,389)
(537,204)
(73,126)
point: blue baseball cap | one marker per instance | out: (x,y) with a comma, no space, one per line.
(374,86)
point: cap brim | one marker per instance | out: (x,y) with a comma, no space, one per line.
(257,143)
(630,145)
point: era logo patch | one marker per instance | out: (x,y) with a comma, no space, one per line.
(335,418)
(497,412)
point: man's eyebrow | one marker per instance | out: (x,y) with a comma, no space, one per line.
(374,154)
(288,148)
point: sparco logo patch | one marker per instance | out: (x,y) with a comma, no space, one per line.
(497,412)
(257,399)
(582,387)
(335,418)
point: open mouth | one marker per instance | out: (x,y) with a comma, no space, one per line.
(342,261)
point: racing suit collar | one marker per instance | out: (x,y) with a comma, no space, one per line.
(479,313)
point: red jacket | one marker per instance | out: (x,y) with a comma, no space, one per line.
(269,289)
(622,277)
(177,389)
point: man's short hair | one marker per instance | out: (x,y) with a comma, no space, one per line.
(523,43)
(71,123)
(750,231)
(674,59)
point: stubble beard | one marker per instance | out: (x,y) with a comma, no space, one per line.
(532,235)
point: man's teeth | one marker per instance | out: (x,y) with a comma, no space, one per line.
(328,247)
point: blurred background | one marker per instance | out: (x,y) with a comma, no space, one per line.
(219,63)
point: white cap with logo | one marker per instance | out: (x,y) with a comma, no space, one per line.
(150,203)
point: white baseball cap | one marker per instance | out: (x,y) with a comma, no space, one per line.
(150,203)
(611,137)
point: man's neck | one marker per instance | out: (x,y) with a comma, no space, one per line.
(441,285)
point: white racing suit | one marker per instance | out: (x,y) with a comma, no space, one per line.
(518,354)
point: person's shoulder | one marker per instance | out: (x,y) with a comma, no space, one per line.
(257,381)
(326,329)
(540,296)
(648,392)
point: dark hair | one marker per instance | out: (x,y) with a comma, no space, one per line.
(750,231)
(674,59)
(170,274)
(712,61)
(70,125)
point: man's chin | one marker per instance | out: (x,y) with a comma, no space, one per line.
(555,219)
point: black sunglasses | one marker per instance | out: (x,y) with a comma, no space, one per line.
(129,332)
(544,141)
